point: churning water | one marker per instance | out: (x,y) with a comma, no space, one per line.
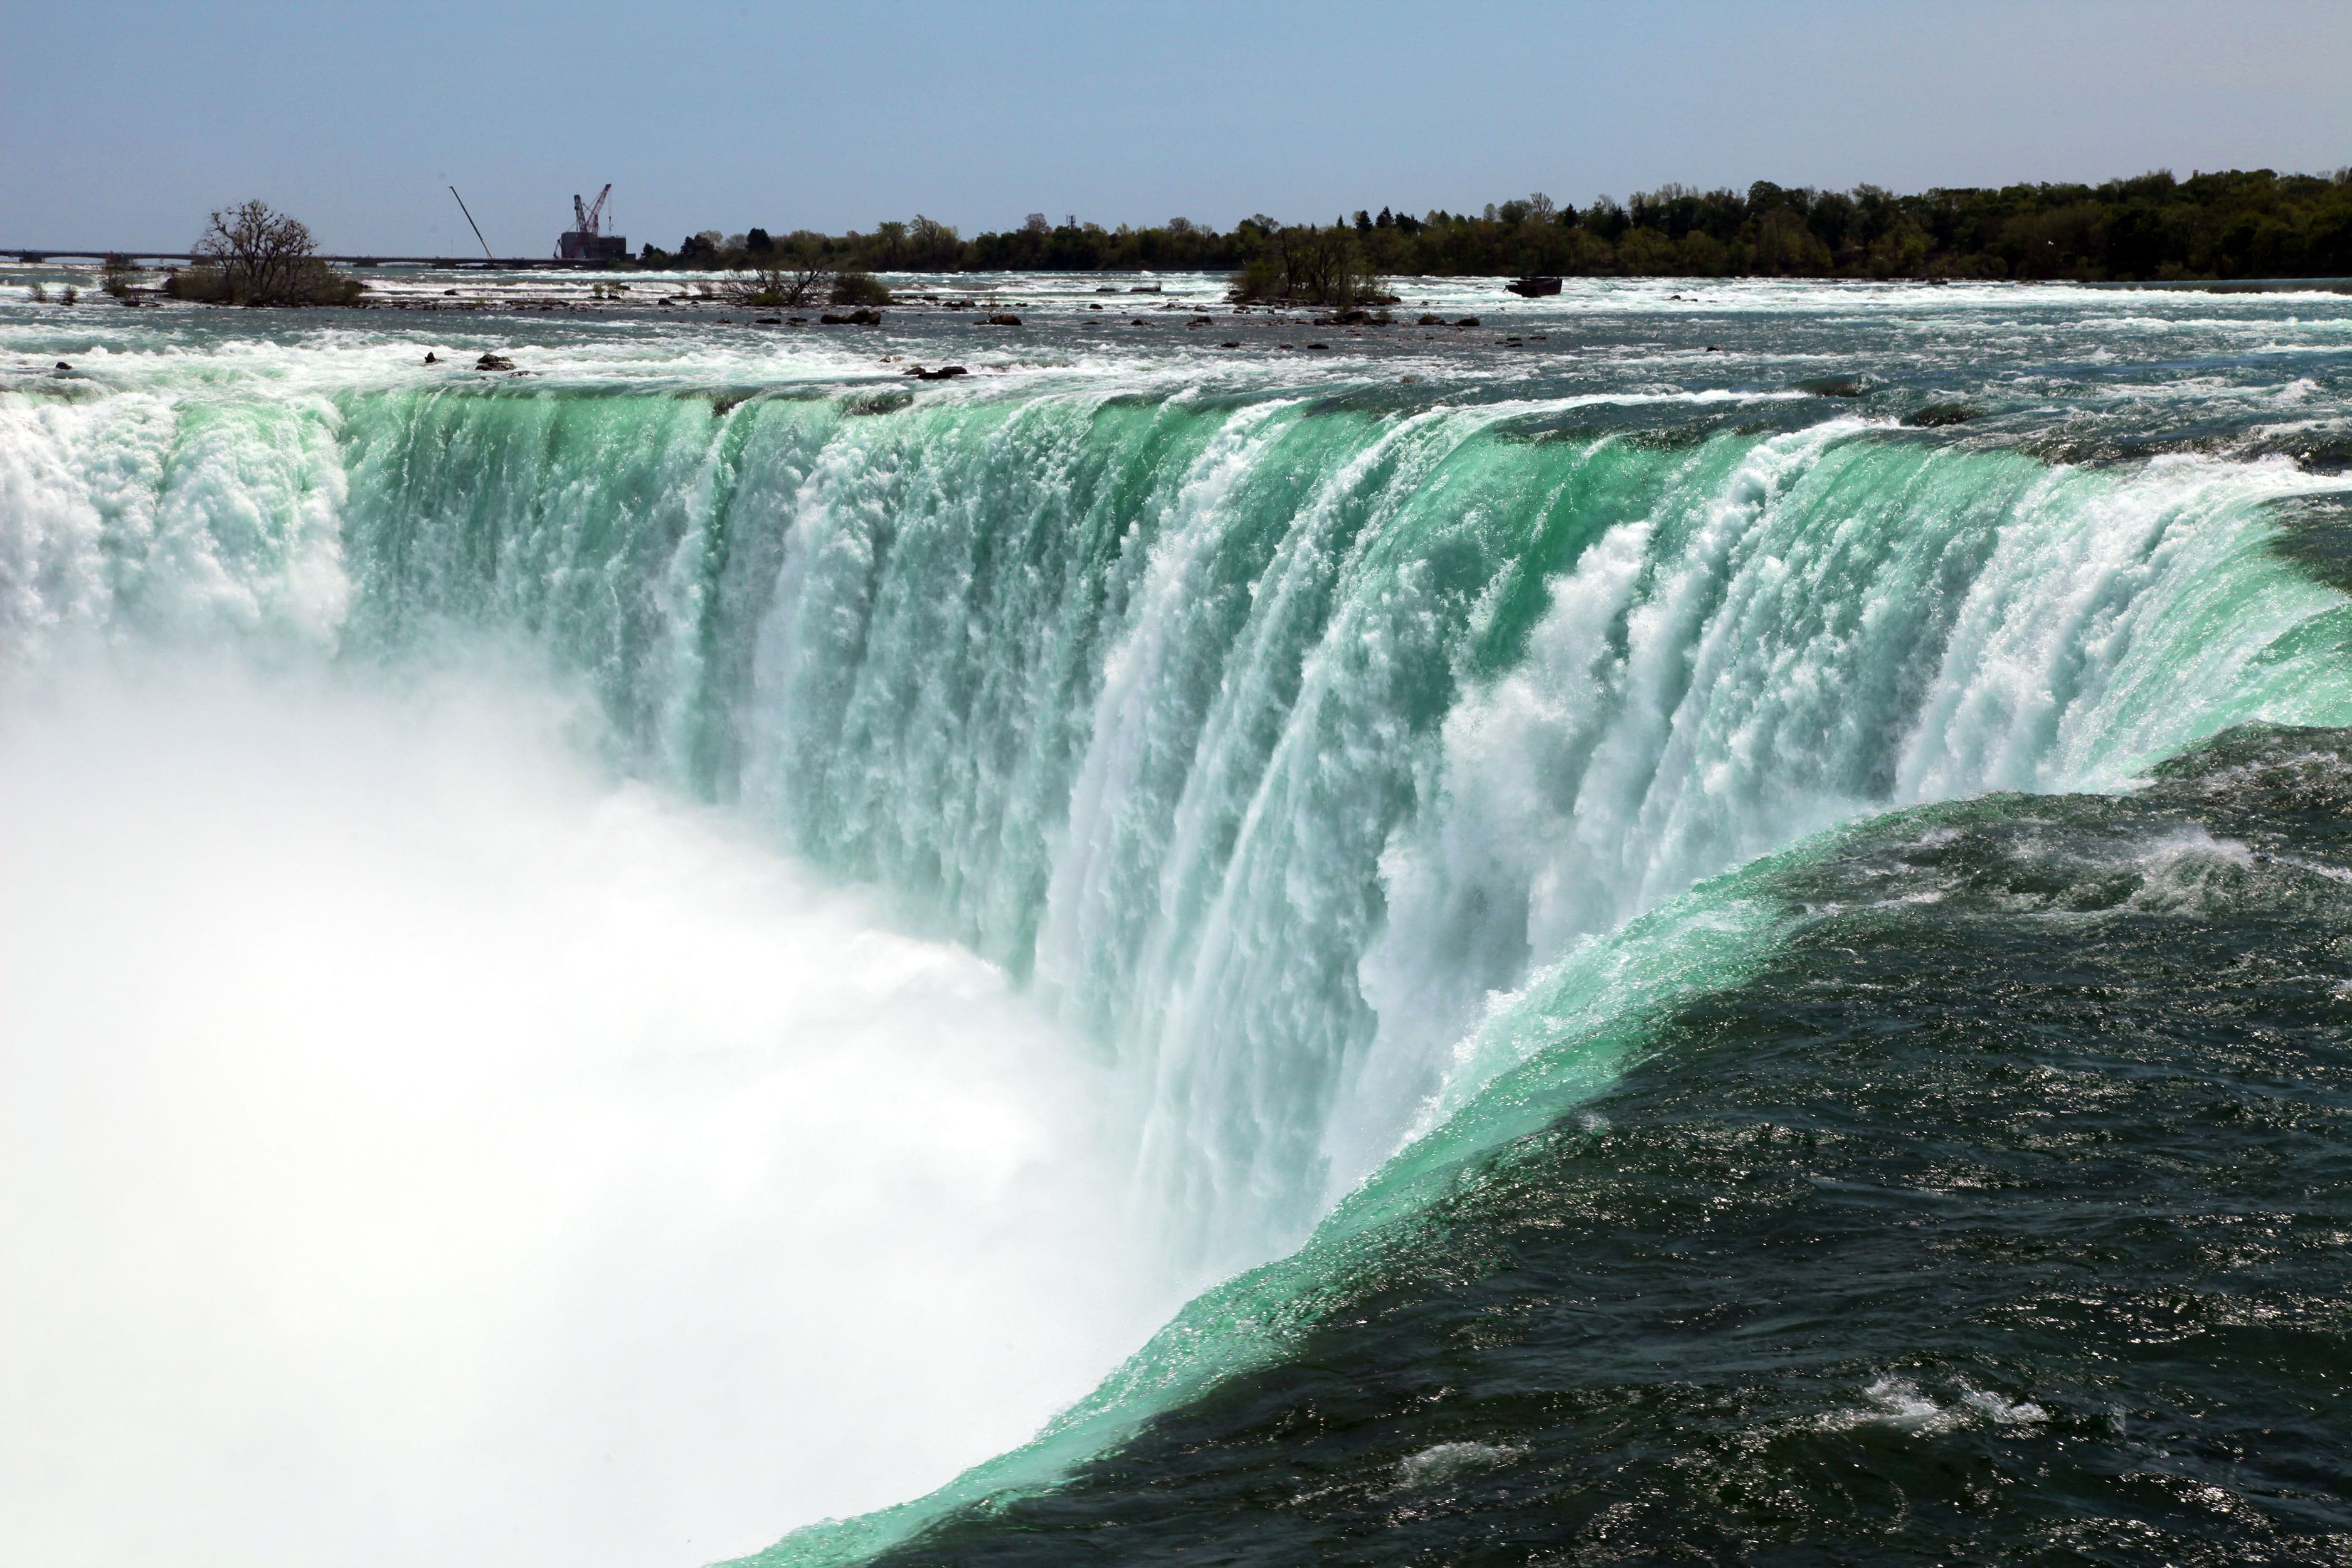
(1714,924)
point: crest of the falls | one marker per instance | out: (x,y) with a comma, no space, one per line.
(1267,737)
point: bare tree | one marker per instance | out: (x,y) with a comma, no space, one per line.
(263,255)
(1306,265)
(793,278)
(252,254)
(1319,263)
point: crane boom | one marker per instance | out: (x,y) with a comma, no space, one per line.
(472,225)
(586,240)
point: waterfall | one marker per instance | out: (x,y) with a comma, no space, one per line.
(1321,762)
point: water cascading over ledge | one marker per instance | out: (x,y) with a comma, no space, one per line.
(1269,738)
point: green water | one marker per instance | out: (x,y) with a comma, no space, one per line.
(1368,764)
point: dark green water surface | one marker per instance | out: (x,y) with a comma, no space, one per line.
(1712,914)
(2004,1216)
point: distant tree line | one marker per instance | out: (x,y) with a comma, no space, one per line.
(2240,224)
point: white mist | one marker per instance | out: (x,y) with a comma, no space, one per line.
(417,1149)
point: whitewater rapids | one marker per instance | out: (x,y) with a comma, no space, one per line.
(602,964)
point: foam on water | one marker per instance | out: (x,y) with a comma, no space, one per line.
(1297,775)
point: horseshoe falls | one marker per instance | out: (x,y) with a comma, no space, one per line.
(1717,927)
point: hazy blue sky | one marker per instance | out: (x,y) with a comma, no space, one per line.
(122,125)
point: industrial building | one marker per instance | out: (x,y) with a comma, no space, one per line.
(586,240)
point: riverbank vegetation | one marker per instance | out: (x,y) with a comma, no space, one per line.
(1302,265)
(2238,224)
(801,278)
(251,254)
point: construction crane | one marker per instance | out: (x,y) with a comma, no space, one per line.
(591,217)
(587,241)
